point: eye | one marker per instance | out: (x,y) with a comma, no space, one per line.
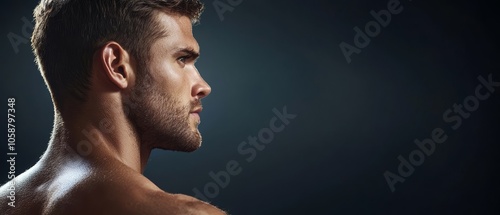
(184,59)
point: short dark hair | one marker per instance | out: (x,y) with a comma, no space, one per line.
(68,32)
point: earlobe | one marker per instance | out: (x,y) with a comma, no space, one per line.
(116,64)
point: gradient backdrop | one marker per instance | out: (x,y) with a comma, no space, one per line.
(353,119)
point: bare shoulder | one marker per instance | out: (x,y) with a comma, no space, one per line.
(97,191)
(158,202)
(146,198)
(135,194)
(163,202)
(119,193)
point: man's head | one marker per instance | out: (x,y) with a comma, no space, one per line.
(144,48)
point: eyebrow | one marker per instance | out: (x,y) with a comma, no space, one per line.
(188,51)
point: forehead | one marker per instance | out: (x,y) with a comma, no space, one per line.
(179,32)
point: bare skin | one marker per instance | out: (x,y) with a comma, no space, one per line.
(107,177)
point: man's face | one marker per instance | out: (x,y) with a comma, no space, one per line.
(169,96)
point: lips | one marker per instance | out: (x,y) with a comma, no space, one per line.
(197,110)
(196,113)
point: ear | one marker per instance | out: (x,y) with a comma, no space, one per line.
(117,65)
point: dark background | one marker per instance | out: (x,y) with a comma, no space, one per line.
(353,120)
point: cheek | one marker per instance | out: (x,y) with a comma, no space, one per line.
(174,80)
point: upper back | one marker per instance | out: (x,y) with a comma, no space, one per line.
(76,189)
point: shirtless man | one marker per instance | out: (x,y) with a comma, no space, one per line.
(122,79)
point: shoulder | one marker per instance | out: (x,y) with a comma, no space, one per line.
(130,194)
(136,194)
(160,202)
(146,201)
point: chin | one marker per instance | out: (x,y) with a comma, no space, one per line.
(187,143)
(181,148)
(194,146)
(191,149)
(188,147)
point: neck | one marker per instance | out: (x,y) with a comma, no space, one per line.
(97,136)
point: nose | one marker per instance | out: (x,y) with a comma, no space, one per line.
(201,89)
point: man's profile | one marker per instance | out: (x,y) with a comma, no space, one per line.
(122,78)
